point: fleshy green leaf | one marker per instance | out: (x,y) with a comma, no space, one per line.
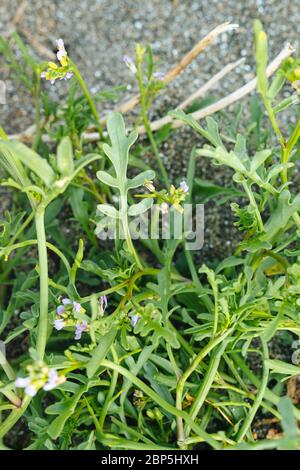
(20,152)
(120,144)
(65,160)
(140,179)
(107,179)
(108,210)
(141,207)
(100,352)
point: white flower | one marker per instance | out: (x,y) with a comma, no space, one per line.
(22,382)
(61,54)
(25,382)
(59,324)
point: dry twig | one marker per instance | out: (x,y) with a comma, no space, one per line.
(181,66)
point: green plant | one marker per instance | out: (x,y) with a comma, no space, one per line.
(128,343)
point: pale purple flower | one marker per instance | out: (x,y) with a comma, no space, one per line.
(68,75)
(103,303)
(66,301)
(60,309)
(80,328)
(76,306)
(130,64)
(134,319)
(184,187)
(53,380)
(59,324)
(43,75)
(159,76)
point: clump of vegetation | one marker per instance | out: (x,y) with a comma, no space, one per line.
(122,341)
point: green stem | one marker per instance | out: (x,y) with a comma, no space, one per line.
(111,391)
(161,401)
(200,356)
(178,373)
(43,269)
(37,110)
(89,98)
(49,245)
(13,417)
(260,395)
(124,219)
(254,205)
(148,125)
(25,224)
(12,397)
(205,298)
(207,382)
(289,148)
(7,368)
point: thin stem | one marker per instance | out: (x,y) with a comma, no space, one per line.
(13,417)
(49,245)
(178,373)
(200,356)
(89,98)
(110,392)
(43,269)
(148,125)
(205,298)
(124,219)
(260,395)
(37,110)
(25,224)
(161,401)
(289,148)
(207,382)
(7,367)
(12,397)
(254,205)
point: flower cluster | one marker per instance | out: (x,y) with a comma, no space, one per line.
(39,377)
(56,72)
(165,199)
(71,314)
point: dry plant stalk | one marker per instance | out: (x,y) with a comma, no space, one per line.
(227,100)
(182,65)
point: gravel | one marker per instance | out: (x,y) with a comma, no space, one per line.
(99,32)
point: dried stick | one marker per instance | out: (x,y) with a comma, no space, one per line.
(181,66)
(210,84)
(227,100)
(20,12)
(207,111)
(39,48)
